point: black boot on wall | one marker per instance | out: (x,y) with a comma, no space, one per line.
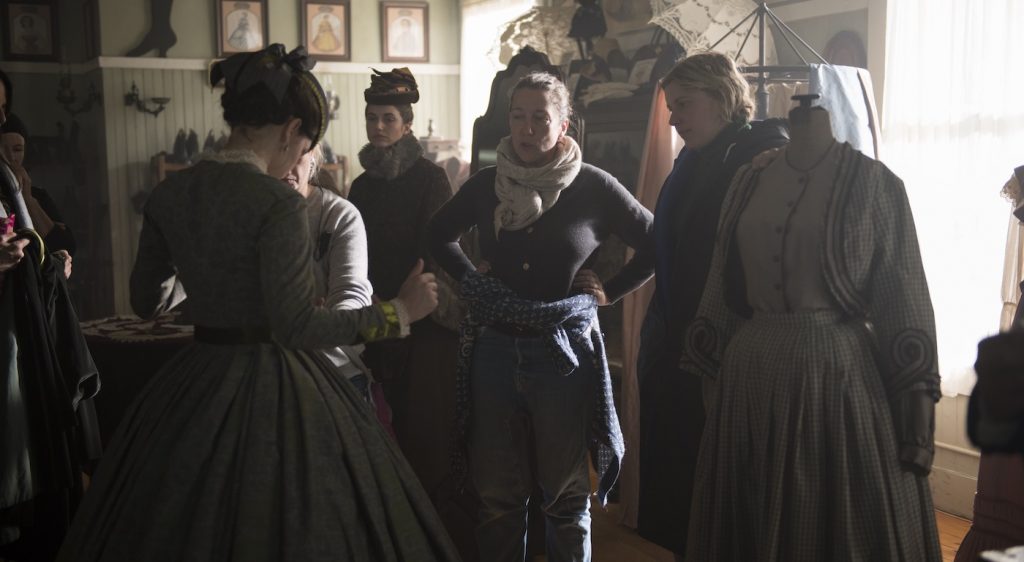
(160,37)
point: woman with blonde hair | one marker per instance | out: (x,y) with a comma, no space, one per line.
(710,109)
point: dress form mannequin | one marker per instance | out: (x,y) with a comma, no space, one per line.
(804,161)
(810,130)
(821,241)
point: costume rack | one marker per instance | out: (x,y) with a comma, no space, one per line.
(764,73)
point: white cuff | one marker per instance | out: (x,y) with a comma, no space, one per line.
(403,317)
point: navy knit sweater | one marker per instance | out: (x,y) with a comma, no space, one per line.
(540,261)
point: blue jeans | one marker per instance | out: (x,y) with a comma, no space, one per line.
(529,425)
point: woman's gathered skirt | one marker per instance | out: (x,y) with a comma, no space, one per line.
(799,459)
(253,453)
(998,507)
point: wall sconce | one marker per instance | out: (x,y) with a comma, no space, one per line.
(140,103)
(66,96)
(333,103)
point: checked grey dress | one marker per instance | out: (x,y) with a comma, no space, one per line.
(805,454)
(251,451)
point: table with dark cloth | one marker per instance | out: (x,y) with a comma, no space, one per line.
(128,351)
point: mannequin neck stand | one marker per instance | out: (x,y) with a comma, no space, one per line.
(810,138)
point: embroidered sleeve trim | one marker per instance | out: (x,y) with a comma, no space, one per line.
(702,345)
(392,328)
(912,353)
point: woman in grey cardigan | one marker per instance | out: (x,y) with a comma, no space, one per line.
(338,240)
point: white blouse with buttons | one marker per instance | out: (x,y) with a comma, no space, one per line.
(780,237)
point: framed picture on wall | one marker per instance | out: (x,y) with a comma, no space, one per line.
(241,26)
(30,30)
(404,32)
(326,29)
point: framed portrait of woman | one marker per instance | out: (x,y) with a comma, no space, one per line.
(405,32)
(241,26)
(30,30)
(326,29)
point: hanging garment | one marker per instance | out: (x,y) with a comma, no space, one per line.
(819,433)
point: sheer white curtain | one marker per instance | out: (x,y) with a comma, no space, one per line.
(483,21)
(953,127)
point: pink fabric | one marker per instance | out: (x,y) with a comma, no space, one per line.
(998,507)
(382,408)
(661,146)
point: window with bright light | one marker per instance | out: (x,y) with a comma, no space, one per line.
(482,24)
(953,130)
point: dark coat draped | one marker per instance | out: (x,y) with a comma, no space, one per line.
(671,410)
(56,379)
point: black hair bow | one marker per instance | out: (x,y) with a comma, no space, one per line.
(272,67)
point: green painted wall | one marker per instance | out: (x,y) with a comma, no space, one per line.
(133,138)
(125,22)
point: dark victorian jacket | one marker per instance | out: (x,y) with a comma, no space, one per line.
(49,433)
(872,267)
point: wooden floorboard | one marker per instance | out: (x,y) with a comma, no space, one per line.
(951,533)
(616,543)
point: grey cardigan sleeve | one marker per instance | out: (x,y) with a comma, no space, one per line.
(348,283)
(286,276)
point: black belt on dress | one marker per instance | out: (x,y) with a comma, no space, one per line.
(516,330)
(232,336)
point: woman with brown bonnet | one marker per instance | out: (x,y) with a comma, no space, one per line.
(534,388)
(244,446)
(396,195)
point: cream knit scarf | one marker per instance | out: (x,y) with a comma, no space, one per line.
(524,194)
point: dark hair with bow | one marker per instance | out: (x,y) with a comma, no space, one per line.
(269,87)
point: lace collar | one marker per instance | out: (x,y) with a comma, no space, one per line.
(237,156)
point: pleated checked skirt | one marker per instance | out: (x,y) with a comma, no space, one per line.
(799,459)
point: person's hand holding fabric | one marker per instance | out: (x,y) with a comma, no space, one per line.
(65,257)
(588,282)
(12,250)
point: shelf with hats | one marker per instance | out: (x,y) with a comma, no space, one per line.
(436,148)
(160,167)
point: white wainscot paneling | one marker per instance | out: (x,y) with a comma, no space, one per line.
(134,137)
(954,476)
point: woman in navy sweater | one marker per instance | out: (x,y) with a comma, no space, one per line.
(533,385)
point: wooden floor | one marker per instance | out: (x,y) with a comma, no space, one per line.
(951,533)
(616,543)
